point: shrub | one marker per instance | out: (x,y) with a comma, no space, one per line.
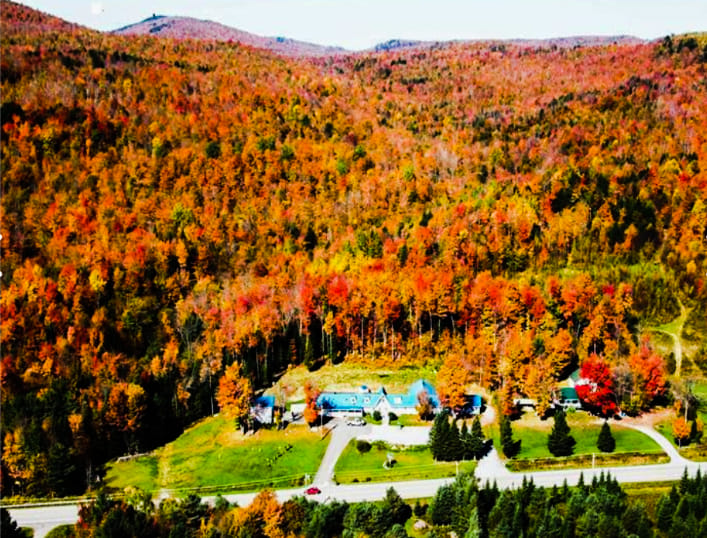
(377,415)
(419,509)
(392,417)
(363,446)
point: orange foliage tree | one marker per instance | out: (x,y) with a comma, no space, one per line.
(311,411)
(234,395)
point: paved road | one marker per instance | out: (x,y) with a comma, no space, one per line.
(42,519)
(491,468)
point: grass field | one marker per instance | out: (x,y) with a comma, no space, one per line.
(347,376)
(412,464)
(585,428)
(139,473)
(214,456)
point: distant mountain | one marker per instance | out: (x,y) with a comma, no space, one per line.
(559,42)
(397,44)
(190,28)
(579,41)
(19,18)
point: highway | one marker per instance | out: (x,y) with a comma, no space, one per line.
(43,518)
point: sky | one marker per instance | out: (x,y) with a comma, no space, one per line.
(359,24)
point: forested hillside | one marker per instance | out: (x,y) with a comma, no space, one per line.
(172,207)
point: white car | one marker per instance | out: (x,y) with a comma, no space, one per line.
(355,422)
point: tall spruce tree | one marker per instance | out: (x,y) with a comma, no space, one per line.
(477,439)
(454,449)
(606,441)
(465,438)
(560,442)
(438,435)
(510,447)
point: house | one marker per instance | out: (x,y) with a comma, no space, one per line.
(576,379)
(473,405)
(346,404)
(568,398)
(263,409)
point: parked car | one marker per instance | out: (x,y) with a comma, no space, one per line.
(356,422)
(313,491)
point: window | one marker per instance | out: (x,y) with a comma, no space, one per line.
(366,400)
(353,399)
(398,400)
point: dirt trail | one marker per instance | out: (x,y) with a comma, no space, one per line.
(674,330)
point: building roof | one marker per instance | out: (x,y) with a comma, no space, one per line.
(264,401)
(574,376)
(475,400)
(345,401)
(568,393)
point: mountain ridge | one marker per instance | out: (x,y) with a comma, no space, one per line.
(179,27)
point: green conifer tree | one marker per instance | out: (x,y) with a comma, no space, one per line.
(560,442)
(510,447)
(465,438)
(606,441)
(477,439)
(438,435)
(455,450)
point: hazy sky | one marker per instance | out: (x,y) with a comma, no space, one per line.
(358,24)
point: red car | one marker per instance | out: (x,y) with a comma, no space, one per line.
(313,491)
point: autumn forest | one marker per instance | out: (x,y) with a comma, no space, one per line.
(503,212)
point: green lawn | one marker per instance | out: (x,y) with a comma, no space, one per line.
(411,420)
(412,464)
(585,428)
(214,456)
(139,473)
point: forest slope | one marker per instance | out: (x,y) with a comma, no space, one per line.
(172,207)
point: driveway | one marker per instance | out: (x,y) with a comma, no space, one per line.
(396,435)
(341,434)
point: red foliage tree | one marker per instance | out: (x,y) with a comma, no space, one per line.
(597,392)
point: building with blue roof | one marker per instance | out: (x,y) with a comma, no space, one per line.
(263,409)
(365,401)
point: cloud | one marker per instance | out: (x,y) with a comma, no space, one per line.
(96,8)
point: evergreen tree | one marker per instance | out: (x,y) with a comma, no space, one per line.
(560,442)
(510,447)
(8,526)
(664,513)
(465,438)
(394,508)
(606,442)
(442,505)
(474,528)
(477,439)
(438,433)
(455,450)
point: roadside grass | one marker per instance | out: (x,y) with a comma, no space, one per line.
(414,463)
(214,456)
(350,376)
(140,473)
(632,447)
